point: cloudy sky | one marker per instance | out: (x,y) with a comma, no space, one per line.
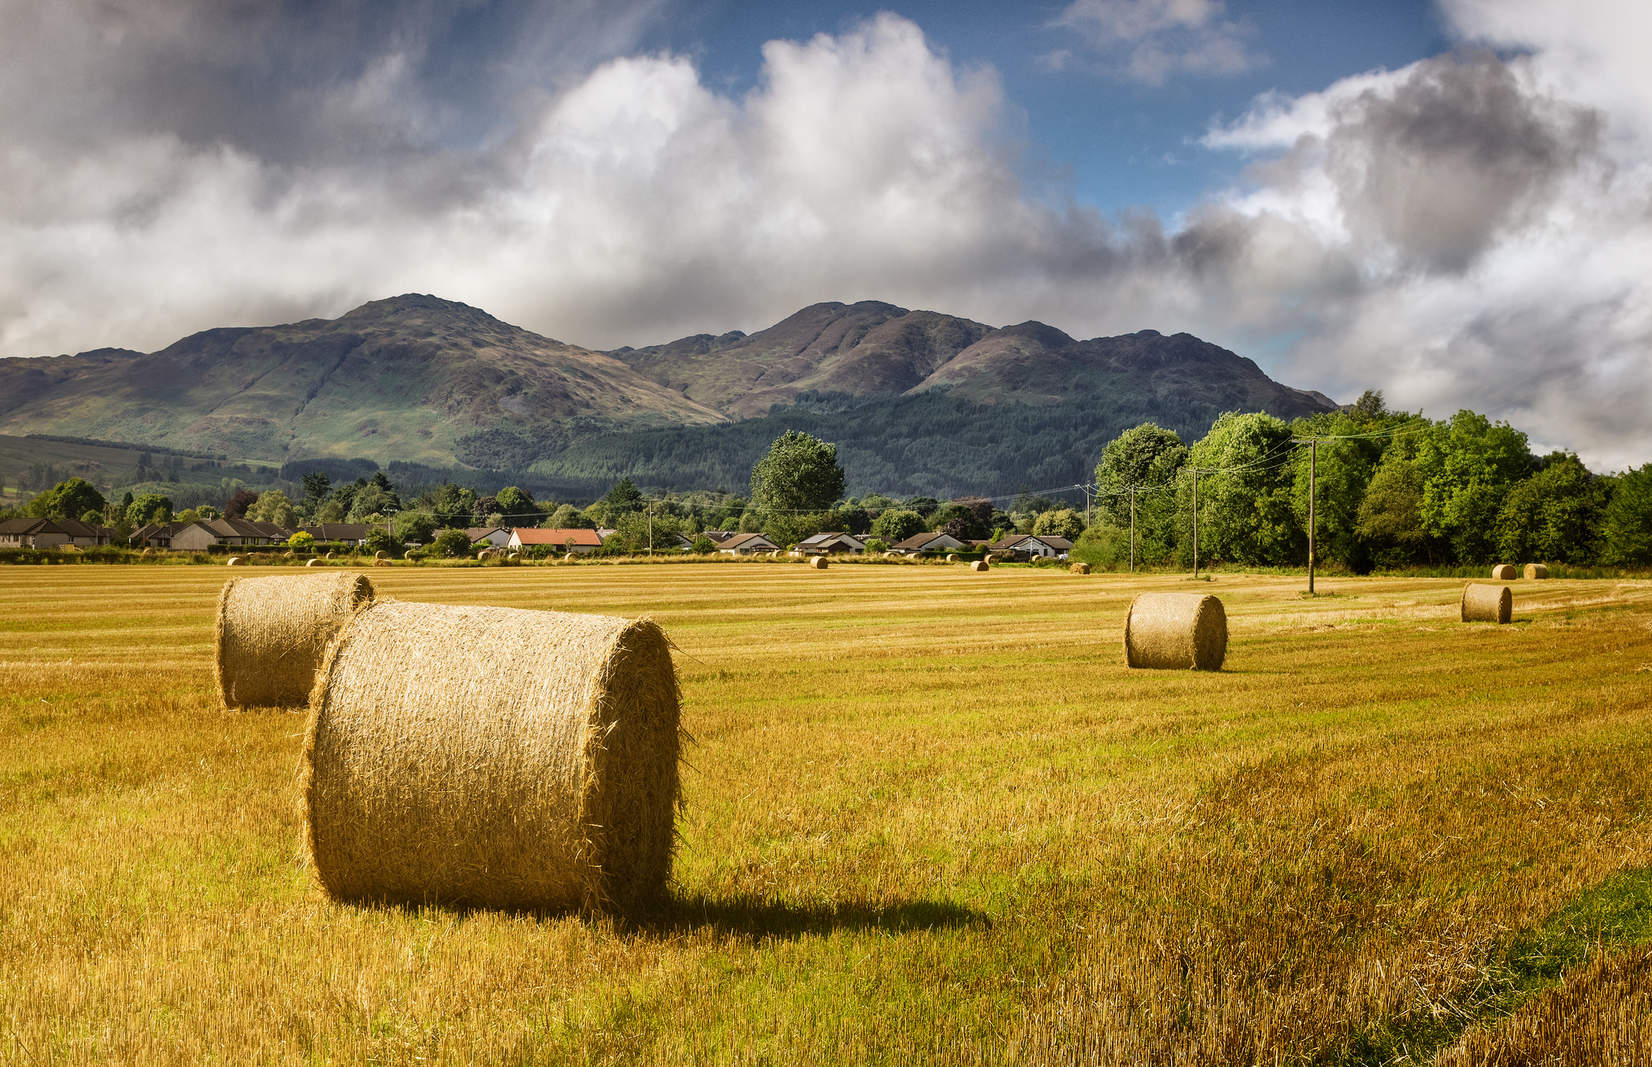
(1449,201)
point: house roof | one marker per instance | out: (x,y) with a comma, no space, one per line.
(823,538)
(742,540)
(1060,544)
(24,525)
(476,533)
(528,535)
(917,542)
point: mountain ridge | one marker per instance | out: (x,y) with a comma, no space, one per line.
(417,378)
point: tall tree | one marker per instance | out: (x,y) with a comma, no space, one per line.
(1468,466)
(1245,506)
(1149,458)
(1627,527)
(1555,515)
(69,499)
(800,473)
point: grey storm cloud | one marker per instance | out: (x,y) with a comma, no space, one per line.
(1459,155)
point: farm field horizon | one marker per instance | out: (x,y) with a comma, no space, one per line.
(928,815)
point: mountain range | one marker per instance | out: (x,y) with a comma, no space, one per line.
(918,401)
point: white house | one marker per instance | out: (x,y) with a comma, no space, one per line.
(918,544)
(746,544)
(1047,546)
(825,543)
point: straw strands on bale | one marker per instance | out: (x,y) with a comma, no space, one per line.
(818,563)
(272,633)
(233,561)
(1079,568)
(1176,631)
(312,563)
(1503,572)
(1487,603)
(979,565)
(1534,570)
(494,757)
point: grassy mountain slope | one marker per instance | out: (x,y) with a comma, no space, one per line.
(412,377)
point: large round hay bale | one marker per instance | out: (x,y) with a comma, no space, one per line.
(494,757)
(1487,603)
(233,561)
(818,563)
(1176,631)
(979,566)
(1534,570)
(1079,568)
(272,633)
(1503,572)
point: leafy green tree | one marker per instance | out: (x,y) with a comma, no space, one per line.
(414,527)
(68,499)
(787,528)
(622,498)
(1627,526)
(1245,507)
(272,506)
(517,505)
(379,539)
(371,500)
(1468,466)
(149,507)
(799,473)
(1060,522)
(639,532)
(960,520)
(239,501)
(1555,515)
(1389,520)
(568,517)
(316,487)
(451,544)
(451,504)
(897,525)
(331,511)
(704,545)
(302,541)
(1150,458)
(1338,469)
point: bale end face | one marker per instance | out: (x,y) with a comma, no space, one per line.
(1487,603)
(1534,571)
(233,561)
(980,566)
(819,563)
(271,633)
(1503,572)
(1176,631)
(493,757)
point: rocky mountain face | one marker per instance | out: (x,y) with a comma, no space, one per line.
(919,401)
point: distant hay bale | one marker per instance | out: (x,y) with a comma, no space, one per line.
(312,563)
(979,566)
(1503,572)
(380,561)
(889,555)
(952,557)
(514,556)
(233,561)
(1534,570)
(271,634)
(494,757)
(818,563)
(1079,568)
(147,552)
(379,554)
(1487,603)
(329,554)
(1176,631)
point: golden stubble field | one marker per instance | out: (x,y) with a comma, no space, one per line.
(929,816)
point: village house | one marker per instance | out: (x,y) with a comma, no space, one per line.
(493,536)
(1046,546)
(349,533)
(747,544)
(52,533)
(577,541)
(822,544)
(918,544)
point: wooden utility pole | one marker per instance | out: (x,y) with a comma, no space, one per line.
(1313,471)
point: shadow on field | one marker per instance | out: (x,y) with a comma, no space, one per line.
(758,919)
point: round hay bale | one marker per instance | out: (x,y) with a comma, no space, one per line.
(1487,603)
(1503,572)
(147,552)
(889,555)
(271,634)
(514,556)
(952,557)
(380,561)
(312,563)
(818,563)
(1534,570)
(495,757)
(979,566)
(1079,568)
(233,561)
(1176,631)
(379,554)
(329,554)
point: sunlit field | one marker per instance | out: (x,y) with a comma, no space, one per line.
(929,816)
